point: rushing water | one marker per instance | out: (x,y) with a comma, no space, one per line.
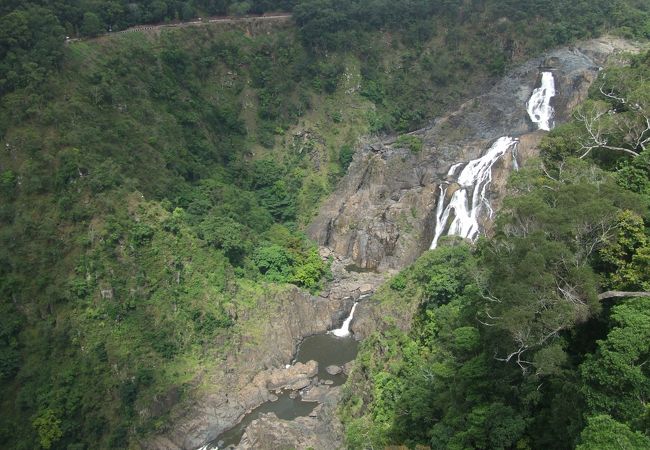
(464,210)
(284,407)
(539,106)
(345,328)
(328,349)
(469,199)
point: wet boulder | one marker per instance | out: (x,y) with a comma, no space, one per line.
(333,370)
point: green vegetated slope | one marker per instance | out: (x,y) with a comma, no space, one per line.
(511,346)
(140,212)
(153,186)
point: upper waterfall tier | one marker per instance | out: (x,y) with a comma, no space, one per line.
(539,106)
(384,210)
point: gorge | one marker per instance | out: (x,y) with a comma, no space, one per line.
(456,203)
(324,224)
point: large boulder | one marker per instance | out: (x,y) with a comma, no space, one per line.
(333,370)
(287,377)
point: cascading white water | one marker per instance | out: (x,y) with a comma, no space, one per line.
(345,328)
(473,180)
(539,105)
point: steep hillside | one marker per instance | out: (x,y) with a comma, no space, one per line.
(383,213)
(142,214)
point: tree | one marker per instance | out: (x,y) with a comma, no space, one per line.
(31,47)
(603,432)
(92,25)
(626,257)
(618,118)
(616,380)
(493,426)
(226,234)
(600,123)
(309,270)
(275,262)
(239,8)
(48,427)
(346,154)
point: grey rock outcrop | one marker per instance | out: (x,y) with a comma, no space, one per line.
(255,371)
(293,377)
(255,368)
(382,216)
(316,394)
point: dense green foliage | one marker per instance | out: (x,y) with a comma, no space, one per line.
(445,46)
(337,23)
(510,347)
(136,224)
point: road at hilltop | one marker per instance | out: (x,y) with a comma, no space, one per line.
(192,23)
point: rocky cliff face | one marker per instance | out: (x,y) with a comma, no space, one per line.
(255,367)
(383,214)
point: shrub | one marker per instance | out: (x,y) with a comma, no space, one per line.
(413,143)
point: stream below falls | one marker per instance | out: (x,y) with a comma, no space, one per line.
(327,349)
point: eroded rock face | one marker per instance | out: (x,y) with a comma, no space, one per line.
(256,367)
(316,394)
(382,216)
(293,377)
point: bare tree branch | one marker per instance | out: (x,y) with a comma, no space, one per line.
(634,129)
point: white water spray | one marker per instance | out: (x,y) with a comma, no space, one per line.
(539,106)
(468,201)
(345,328)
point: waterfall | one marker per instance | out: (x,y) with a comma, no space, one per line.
(468,201)
(345,328)
(515,164)
(539,106)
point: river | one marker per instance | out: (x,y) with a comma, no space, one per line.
(328,350)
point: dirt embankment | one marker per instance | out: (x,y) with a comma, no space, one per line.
(249,24)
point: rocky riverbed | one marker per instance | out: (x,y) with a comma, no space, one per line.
(320,430)
(255,372)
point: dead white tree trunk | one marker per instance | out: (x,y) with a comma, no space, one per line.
(618,294)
